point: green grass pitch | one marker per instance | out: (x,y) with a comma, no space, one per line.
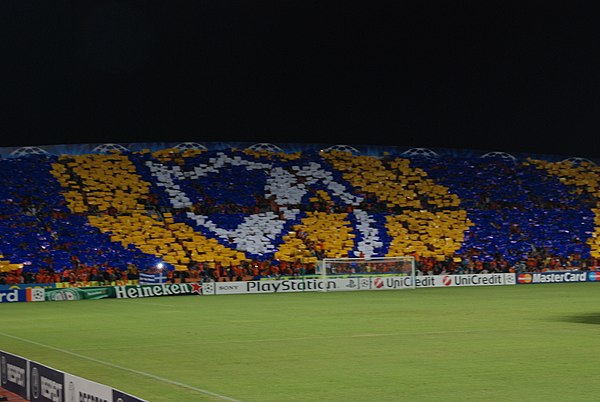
(506,343)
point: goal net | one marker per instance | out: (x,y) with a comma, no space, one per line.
(374,267)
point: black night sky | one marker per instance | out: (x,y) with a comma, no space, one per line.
(496,75)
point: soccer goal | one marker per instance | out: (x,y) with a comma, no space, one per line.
(378,269)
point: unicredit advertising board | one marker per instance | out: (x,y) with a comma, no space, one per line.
(438,281)
(363,283)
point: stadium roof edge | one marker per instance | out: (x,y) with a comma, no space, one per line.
(361,149)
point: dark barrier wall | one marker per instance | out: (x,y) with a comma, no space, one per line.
(36,382)
(46,384)
(13,374)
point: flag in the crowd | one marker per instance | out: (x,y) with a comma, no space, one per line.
(152,278)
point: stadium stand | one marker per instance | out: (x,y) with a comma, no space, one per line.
(229,213)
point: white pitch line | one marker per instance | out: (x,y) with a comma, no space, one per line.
(142,373)
(313,338)
(309,338)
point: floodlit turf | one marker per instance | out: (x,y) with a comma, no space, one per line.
(506,343)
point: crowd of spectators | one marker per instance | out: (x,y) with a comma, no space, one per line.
(80,275)
(267,269)
(508,204)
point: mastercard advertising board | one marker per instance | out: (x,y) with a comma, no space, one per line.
(528,278)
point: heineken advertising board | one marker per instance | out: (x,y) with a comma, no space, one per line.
(165,289)
(124,292)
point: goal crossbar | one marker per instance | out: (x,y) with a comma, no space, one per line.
(369,267)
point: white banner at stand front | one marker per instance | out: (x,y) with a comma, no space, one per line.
(281,286)
(440,281)
(80,389)
(364,283)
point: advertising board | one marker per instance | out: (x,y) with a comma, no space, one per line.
(21,295)
(80,389)
(123,292)
(46,384)
(13,374)
(533,278)
(28,285)
(36,382)
(165,289)
(437,281)
(281,286)
(358,283)
(118,396)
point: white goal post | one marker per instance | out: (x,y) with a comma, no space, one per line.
(374,267)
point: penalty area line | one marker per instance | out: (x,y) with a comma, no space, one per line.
(116,366)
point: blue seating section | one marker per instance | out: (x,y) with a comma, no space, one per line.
(516,209)
(38,230)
